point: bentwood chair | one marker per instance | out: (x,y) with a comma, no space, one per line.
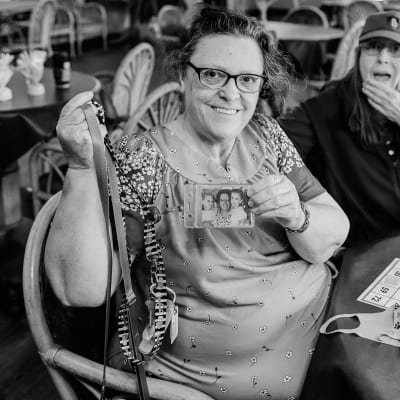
(311,56)
(126,89)
(64,28)
(90,21)
(69,340)
(47,167)
(359,10)
(39,26)
(162,105)
(345,55)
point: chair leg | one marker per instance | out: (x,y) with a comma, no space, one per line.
(105,41)
(72,44)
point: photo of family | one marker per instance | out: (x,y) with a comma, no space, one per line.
(225,207)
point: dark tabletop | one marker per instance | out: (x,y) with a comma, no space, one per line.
(346,366)
(26,120)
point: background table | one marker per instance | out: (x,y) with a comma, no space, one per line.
(43,110)
(346,366)
(302,32)
(24,121)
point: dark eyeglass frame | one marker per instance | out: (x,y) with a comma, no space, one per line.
(199,70)
(371,48)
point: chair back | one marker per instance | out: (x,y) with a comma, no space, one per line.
(68,339)
(41,23)
(132,79)
(169,18)
(309,56)
(284,4)
(309,15)
(47,167)
(359,10)
(162,105)
(345,54)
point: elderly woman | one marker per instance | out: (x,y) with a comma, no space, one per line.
(250,300)
(349,135)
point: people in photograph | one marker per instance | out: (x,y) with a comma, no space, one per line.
(250,301)
(209,211)
(349,134)
(223,216)
(239,216)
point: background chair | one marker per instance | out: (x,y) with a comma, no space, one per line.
(39,27)
(126,89)
(359,10)
(345,55)
(310,56)
(69,340)
(47,167)
(64,28)
(161,105)
(90,21)
(169,25)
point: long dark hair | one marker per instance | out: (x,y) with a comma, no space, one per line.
(361,115)
(212,20)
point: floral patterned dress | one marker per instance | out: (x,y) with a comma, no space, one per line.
(249,307)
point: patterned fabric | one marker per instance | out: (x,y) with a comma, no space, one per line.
(249,307)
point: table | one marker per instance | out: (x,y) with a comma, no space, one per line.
(43,110)
(303,32)
(345,366)
(11,7)
(24,121)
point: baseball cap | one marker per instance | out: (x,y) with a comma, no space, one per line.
(382,25)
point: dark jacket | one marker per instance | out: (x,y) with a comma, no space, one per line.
(363,179)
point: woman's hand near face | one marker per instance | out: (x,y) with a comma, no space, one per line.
(276,197)
(383,98)
(73,133)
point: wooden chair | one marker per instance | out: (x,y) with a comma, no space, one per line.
(67,338)
(344,58)
(345,55)
(39,27)
(47,167)
(170,23)
(162,105)
(64,28)
(90,21)
(311,56)
(126,89)
(359,10)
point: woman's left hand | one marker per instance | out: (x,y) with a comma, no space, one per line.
(383,98)
(276,197)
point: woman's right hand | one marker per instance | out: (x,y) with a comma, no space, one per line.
(73,133)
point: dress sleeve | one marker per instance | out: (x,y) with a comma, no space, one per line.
(298,126)
(288,159)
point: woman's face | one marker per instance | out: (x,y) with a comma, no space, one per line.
(380,65)
(236,200)
(219,115)
(208,202)
(224,202)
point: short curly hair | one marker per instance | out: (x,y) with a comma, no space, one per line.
(210,21)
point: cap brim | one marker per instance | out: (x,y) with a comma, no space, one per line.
(381,34)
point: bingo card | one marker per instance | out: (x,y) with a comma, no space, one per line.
(384,291)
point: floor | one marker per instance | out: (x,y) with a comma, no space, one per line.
(22,375)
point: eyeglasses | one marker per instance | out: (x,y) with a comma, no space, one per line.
(216,79)
(374,47)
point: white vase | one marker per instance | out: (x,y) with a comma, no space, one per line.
(35,89)
(5,93)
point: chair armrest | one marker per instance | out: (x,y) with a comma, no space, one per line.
(118,380)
